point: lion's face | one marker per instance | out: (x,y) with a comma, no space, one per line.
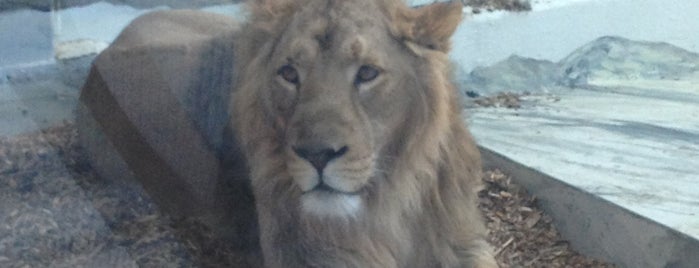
(341,90)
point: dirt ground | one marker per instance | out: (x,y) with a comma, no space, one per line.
(55,211)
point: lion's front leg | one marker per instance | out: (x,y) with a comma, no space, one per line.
(477,254)
(484,260)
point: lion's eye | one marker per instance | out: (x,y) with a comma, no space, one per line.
(366,74)
(289,74)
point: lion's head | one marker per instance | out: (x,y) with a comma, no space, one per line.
(345,110)
(342,96)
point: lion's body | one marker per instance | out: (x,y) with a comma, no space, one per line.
(353,134)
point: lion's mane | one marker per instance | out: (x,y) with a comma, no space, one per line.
(421,210)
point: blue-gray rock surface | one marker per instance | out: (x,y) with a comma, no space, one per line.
(606,58)
(612,57)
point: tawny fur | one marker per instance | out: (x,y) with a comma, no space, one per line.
(410,159)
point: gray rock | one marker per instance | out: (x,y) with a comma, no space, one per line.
(515,74)
(608,57)
(154,109)
(612,57)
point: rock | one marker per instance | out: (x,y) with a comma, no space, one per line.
(612,57)
(154,109)
(606,58)
(515,74)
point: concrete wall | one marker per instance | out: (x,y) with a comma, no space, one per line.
(597,227)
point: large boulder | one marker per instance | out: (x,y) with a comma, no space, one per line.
(515,74)
(617,58)
(154,110)
(607,58)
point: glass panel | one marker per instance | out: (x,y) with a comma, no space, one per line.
(118,143)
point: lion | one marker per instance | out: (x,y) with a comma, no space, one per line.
(352,131)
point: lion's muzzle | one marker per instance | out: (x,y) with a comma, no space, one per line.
(329,166)
(319,155)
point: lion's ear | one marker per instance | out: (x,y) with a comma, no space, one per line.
(435,24)
(267,12)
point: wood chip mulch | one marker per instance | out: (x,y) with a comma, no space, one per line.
(508,100)
(492,5)
(56,212)
(523,235)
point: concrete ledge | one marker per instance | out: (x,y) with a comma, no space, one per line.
(597,227)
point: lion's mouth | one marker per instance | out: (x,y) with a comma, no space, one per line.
(325,201)
(323,187)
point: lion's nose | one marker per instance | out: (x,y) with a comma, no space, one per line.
(319,156)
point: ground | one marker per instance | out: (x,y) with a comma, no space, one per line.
(55,211)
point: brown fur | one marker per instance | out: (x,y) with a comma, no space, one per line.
(410,161)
